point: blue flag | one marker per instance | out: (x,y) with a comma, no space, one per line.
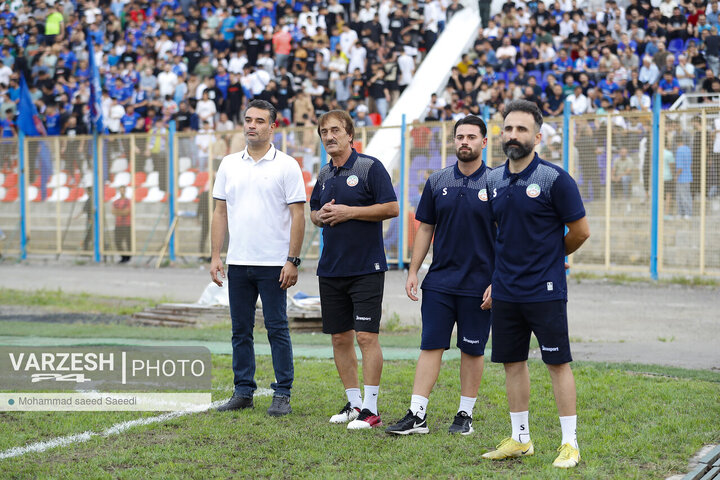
(95,89)
(28,120)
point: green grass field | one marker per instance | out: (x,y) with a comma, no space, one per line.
(630,426)
(634,421)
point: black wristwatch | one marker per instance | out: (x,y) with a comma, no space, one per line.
(294,260)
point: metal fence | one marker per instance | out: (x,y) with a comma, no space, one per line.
(167,180)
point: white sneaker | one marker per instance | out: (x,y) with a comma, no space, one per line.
(366,419)
(347,414)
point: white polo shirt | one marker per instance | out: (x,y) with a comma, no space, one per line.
(258,195)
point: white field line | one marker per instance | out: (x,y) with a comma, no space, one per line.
(114,430)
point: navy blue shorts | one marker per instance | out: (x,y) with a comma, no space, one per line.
(514,322)
(440,312)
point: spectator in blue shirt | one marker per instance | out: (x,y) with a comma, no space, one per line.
(563,63)
(222,80)
(119,91)
(607,85)
(555,103)
(129,120)
(227,27)
(82,72)
(668,88)
(52,121)
(7,126)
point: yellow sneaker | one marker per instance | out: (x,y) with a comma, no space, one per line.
(569,456)
(510,448)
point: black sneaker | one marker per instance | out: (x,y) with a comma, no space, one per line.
(462,424)
(409,424)
(280,406)
(236,403)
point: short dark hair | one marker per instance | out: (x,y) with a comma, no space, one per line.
(525,106)
(340,115)
(471,120)
(264,105)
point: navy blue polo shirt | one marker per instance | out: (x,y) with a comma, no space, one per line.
(354,247)
(463,249)
(531,209)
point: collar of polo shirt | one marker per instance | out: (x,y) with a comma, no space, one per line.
(269,155)
(474,176)
(525,173)
(349,163)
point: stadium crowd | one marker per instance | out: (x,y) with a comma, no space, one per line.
(194,61)
(601,56)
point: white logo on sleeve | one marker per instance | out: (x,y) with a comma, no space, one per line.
(549,286)
(362,319)
(377,266)
(533,190)
(352,180)
(482,195)
(445,191)
(494,192)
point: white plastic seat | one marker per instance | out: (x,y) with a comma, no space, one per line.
(59,194)
(186,179)
(154,195)
(87,180)
(3,192)
(57,180)
(121,178)
(119,165)
(188,194)
(152,180)
(184,163)
(32,193)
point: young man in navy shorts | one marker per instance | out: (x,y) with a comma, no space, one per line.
(456,290)
(352,197)
(532,201)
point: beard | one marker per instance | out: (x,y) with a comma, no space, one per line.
(467,156)
(516,150)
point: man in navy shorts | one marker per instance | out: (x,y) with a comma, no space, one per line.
(456,290)
(532,201)
(351,198)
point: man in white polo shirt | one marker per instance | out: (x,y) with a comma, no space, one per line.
(260,196)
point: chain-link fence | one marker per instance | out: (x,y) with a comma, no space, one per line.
(689,225)
(155,184)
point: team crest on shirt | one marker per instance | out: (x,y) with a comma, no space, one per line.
(482,195)
(533,190)
(352,180)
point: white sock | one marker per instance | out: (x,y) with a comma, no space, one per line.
(467,404)
(569,427)
(353,396)
(370,400)
(520,426)
(418,406)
